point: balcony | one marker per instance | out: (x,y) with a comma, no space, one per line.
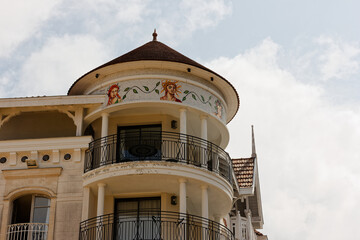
(31,231)
(158,146)
(152,224)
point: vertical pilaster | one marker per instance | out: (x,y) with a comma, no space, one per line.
(204,153)
(101,199)
(205,211)
(204,202)
(79,116)
(182,195)
(183,156)
(183,120)
(104,124)
(86,204)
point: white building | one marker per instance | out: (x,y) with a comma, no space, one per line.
(134,151)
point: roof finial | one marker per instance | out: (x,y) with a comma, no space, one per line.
(253,154)
(154,35)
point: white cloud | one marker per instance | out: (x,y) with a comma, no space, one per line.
(204,13)
(20,19)
(339,59)
(308,148)
(53,69)
(183,18)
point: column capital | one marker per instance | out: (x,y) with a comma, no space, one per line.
(182,180)
(101,184)
(204,187)
(204,116)
(105,114)
(182,109)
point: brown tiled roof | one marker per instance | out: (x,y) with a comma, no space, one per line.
(258,233)
(157,51)
(153,51)
(244,171)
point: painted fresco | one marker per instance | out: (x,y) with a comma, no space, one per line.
(171,88)
(164,90)
(113,94)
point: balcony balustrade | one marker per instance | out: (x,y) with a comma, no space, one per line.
(158,146)
(152,224)
(27,231)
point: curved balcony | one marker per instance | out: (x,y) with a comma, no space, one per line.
(152,224)
(158,146)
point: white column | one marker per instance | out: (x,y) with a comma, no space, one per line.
(204,202)
(183,120)
(86,202)
(104,133)
(204,153)
(238,226)
(182,208)
(101,199)
(104,124)
(250,230)
(183,156)
(182,195)
(205,211)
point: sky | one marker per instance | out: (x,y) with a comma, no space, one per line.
(295,65)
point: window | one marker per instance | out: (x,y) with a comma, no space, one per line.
(30,218)
(139,143)
(138,218)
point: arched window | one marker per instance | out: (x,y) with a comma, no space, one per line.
(30,218)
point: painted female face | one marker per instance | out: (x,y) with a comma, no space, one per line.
(114,92)
(171,89)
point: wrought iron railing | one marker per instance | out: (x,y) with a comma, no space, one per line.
(152,224)
(27,231)
(158,146)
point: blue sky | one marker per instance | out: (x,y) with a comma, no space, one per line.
(295,64)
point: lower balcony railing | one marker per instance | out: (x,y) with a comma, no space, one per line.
(27,231)
(154,225)
(158,146)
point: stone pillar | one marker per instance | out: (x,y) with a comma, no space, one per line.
(182,195)
(204,154)
(104,124)
(238,226)
(183,120)
(182,209)
(79,115)
(205,211)
(86,202)
(104,133)
(183,156)
(204,202)
(101,199)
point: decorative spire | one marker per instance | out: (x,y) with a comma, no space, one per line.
(253,154)
(154,35)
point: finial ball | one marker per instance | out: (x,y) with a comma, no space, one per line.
(154,35)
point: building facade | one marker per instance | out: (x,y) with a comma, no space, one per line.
(134,151)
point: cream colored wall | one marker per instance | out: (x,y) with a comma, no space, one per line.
(69,200)
(58,179)
(42,124)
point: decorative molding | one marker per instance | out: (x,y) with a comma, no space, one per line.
(5,118)
(29,190)
(31,173)
(42,144)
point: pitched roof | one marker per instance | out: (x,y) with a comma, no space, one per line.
(154,51)
(244,171)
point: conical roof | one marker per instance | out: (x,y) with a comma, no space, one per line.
(155,51)
(152,51)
